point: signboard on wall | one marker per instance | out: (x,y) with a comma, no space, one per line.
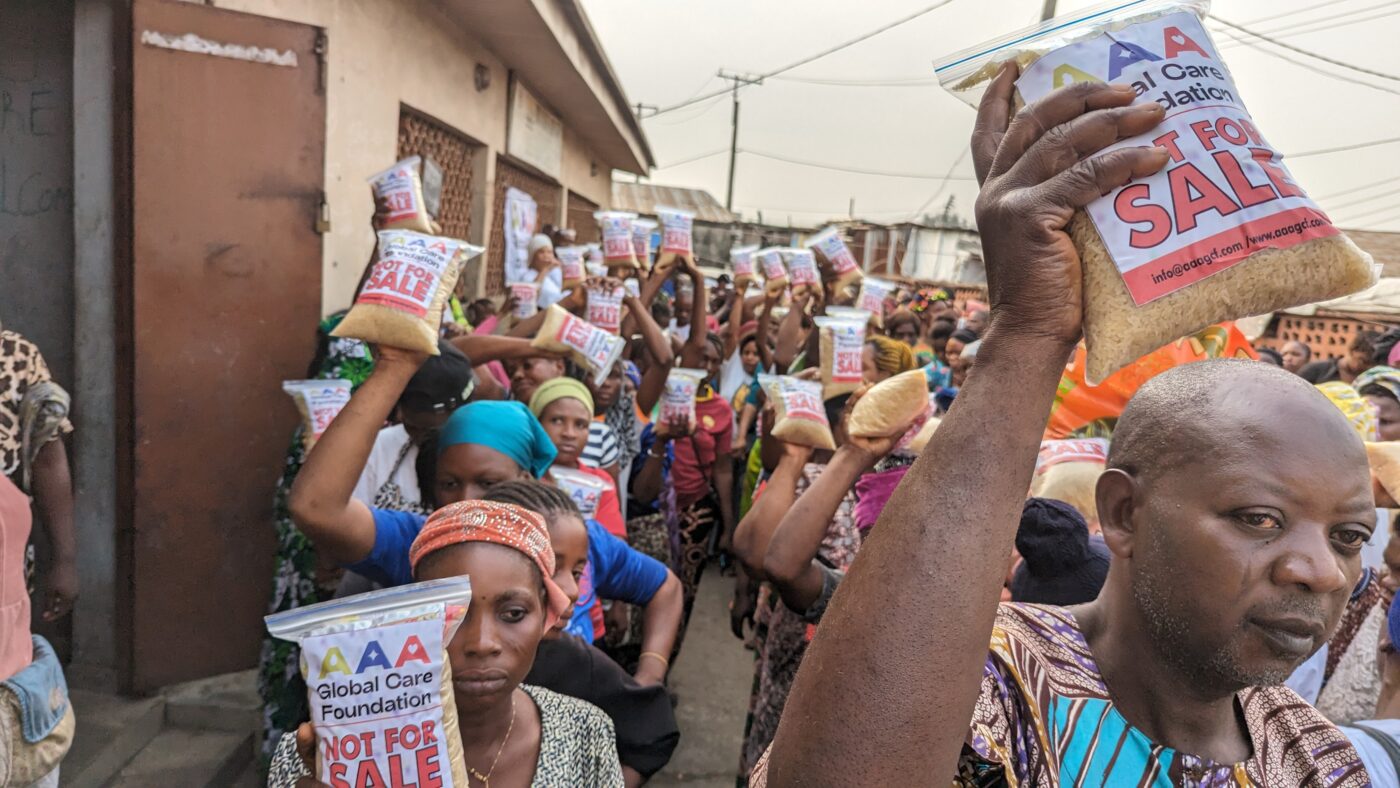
(534,135)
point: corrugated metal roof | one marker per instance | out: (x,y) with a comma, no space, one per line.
(642,198)
(1383,246)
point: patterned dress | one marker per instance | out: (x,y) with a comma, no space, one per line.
(787,633)
(577,747)
(1044,719)
(296,582)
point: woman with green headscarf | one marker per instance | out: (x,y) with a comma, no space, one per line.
(564,408)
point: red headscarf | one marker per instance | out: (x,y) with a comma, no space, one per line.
(497,523)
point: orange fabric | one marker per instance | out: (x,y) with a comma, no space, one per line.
(1090,411)
(497,523)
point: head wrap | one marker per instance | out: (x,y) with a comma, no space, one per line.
(495,523)
(891,355)
(1387,378)
(1358,411)
(538,242)
(557,389)
(1061,565)
(629,368)
(506,427)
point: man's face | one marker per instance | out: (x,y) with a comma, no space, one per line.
(1358,360)
(907,332)
(1295,355)
(1245,551)
(977,322)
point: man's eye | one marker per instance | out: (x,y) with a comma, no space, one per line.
(1259,520)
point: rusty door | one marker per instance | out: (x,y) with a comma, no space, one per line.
(228,143)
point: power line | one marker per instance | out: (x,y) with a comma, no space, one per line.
(916,214)
(893,82)
(1363,200)
(1294,12)
(693,159)
(1301,51)
(1339,149)
(856,170)
(1354,189)
(811,58)
(1319,25)
(1382,209)
(1310,67)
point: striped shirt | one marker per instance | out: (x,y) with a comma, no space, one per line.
(603,449)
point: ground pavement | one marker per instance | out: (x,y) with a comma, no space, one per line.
(712,676)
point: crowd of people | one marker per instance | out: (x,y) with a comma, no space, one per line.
(1205,606)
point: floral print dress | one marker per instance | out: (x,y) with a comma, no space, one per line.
(296,581)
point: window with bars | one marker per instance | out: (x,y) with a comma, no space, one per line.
(420,135)
(547,195)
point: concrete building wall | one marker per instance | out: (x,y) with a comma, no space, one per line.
(385,53)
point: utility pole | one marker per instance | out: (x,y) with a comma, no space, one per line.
(1047,11)
(738,80)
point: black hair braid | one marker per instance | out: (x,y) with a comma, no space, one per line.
(546,499)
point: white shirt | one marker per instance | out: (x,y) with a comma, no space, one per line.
(380,470)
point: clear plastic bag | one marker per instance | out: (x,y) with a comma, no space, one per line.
(742,258)
(1222,232)
(593,348)
(586,491)
(379,683)
(842,342)
(800,415)
(616,228)
(400,190)
(318,402)
(678,396)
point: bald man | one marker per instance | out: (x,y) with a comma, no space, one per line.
(1235,503)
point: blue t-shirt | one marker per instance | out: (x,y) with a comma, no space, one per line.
(614,571)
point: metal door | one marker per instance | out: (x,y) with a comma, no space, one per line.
(546,194)
(228,144)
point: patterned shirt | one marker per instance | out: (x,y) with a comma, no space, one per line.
(602,448)
(1044,718)
(21,367)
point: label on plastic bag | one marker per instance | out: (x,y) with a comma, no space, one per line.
(570,263)
(802,399)
(834,249)
(678,395)
(605,308)
(406,275)
(772,262)
(586,491)
(527,298)
(1076,450)
(398,188)
(1224,195)
(586,339)
(802,268)
(847,345)
(617,236)
(742,259)
(376,704)
(677,230)
(873,293)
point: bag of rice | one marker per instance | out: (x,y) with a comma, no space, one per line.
(589,346)
(618,252)
(842,343)
(605,307)
(841,270)
(633,287)
(571,270)
(741,257)
(890,406)
(586,490)
(1222,232)
(318,402)
(678,396)
(400,190)
(800,414)
(401,303)
(677,228)
(873,294)
(802,272)
(379,683)
(641,242)
(920,441)
(774,274)
(527,299)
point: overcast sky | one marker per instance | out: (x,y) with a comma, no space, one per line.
(667,51)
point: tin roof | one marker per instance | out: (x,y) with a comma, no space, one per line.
(642,198)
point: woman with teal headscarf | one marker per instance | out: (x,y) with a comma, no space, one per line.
(482,444)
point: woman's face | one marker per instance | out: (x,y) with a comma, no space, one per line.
(1389,412)
(493,649)
(869,372)
(569,537)
(749,356)
(907,331)
(713,362)
(527,375)
(566,420)
(466,470)
(605,395)
(420,425)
